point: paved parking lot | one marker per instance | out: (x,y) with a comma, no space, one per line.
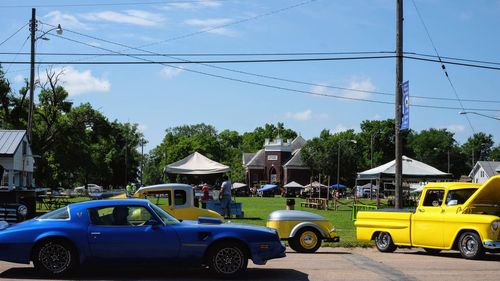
(327,264)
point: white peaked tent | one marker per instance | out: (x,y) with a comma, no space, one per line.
(412,169)
(293,184)
(196,164)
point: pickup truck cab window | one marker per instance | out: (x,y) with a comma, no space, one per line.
(458,196)
(433,198)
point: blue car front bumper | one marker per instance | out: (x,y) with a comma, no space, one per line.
(262,252)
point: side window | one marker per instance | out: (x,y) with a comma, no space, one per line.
(433,198)
(459,196)
(120,216)
(179,197)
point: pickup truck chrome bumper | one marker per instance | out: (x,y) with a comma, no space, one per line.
(489,244)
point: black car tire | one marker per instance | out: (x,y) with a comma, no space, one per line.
(55,257)
(306,240)
(470,246)
(227,259)
(384,243)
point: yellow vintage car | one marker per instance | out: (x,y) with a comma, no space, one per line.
(175,198)
(304,231)
(450,216)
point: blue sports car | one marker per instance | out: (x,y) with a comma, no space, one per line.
(132,230)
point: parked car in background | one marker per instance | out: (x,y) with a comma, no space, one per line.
(90,188)
(304,231)
(449,216)
(134,231)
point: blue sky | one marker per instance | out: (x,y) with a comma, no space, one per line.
(158,97)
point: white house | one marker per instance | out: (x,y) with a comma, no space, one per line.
(16,159)
(483,170)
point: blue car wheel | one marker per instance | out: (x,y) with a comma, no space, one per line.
(54,257)
(228,259)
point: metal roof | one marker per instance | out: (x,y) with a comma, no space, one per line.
(10,141)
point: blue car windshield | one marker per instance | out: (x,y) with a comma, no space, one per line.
(165,217)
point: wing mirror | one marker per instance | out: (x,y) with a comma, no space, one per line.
(452,203)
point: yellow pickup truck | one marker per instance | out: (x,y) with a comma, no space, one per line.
(450,216)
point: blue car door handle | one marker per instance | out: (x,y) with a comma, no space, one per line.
(95,233)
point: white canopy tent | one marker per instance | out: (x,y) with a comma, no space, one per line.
(412,169)
(293,184)
(196,164)
(237,185)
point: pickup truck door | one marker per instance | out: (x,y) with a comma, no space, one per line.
(427,222)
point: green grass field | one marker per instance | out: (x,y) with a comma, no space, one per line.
(257,209)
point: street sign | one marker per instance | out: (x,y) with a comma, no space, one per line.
(405,120)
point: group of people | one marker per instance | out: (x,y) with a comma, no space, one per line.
(224,196)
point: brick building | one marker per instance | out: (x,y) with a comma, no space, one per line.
(278,162)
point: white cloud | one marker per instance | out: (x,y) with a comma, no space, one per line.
(169,72)
(299,116)
(194,5)
(65,20)
(134,17)
(321,89)
(211,25)
(362,87)
(376,116)
(19,78)
(455,128)
(79,82)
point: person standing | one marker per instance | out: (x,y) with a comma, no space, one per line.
(225,196)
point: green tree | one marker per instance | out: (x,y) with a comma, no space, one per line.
(322,155)
(433,147)
(478,148)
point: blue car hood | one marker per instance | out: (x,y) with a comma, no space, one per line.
(228,225)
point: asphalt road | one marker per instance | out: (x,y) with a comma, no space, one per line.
(327,264)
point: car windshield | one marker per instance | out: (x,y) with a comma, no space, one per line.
(59,214)
(165,217)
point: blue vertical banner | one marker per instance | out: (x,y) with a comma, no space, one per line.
(405,110)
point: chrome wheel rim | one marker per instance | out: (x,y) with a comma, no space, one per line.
(469,245)
(55,257)
(308,240)
(383,240)
(229,260)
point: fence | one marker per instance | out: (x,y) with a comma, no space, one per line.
(360,207)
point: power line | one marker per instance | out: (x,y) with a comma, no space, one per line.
(209,61)
(455,63)
(15,57)
(204,64)
(442,64)
(209,54)
(454,58)
(262,60)
(290,90)
(14,34)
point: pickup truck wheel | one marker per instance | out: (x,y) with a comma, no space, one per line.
(384,243)
(431,251)
(469,245)
(306,240)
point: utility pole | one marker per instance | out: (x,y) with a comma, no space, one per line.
(397,120)
(33,26)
